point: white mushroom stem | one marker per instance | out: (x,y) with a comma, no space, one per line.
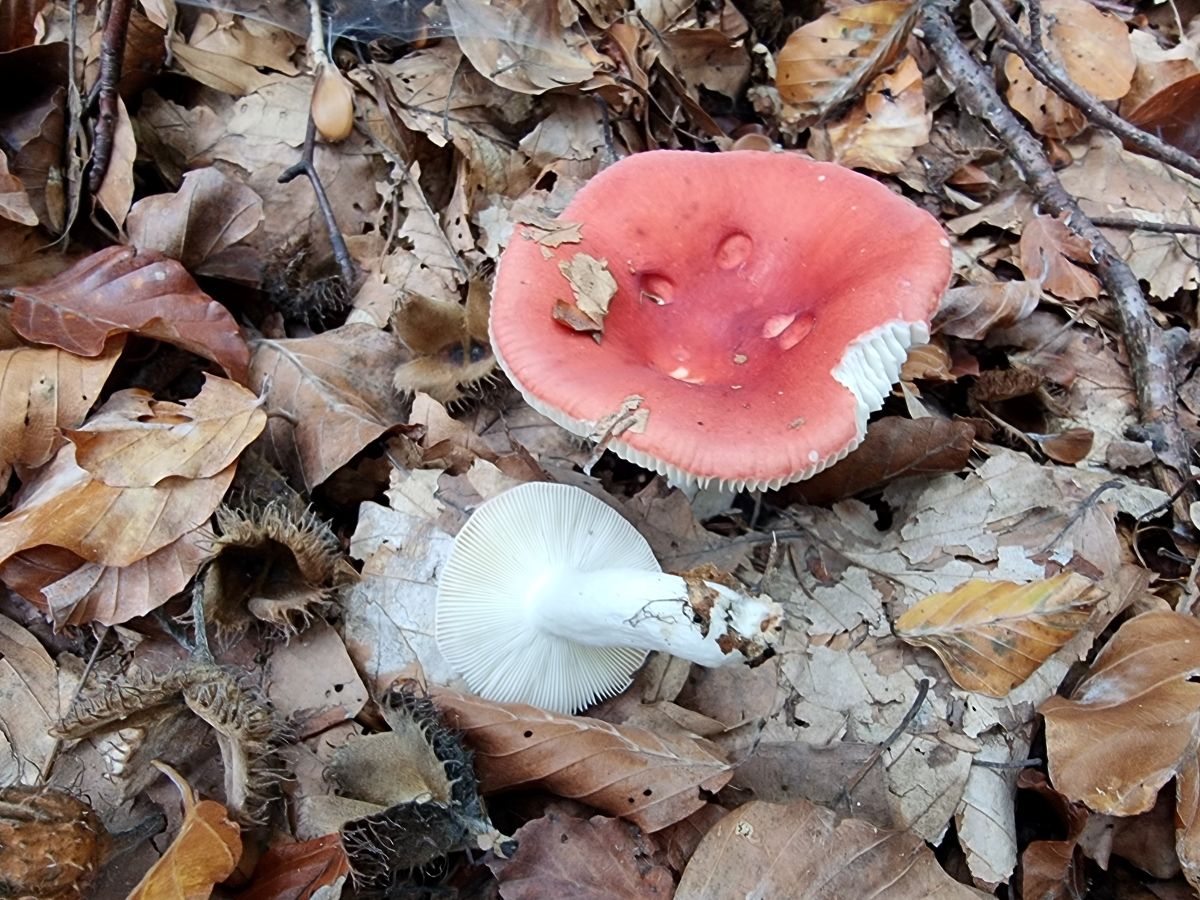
(685,616)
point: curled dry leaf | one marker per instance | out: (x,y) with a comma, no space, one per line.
(1049,253)
(592,287)
(827,62)
(116,191)
(893,448)
(137,441)
(1093,48)
(801,851)
(992,635)
(43,391)
(585,859)
(203,854)
(622,770)
(65,506)
(333,394)
(209,212)
(119,290)
(973,310)
(1067,447)
(1131,724)
(881,132)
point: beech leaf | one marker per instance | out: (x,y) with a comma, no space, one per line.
(620,769)
(203,854)
(296,871)
(119,290)
(1131,724)
(992,635)
(973,310)
(827,62)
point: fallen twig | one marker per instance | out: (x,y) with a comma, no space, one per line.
(1150,362)
(1051,74)
(112,55)
(1123,224)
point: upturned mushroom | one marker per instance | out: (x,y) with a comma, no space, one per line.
(551,598)
(727,318)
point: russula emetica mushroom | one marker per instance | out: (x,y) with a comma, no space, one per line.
(551,598)
(763,306)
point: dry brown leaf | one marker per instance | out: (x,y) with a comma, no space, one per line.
(973,310)
(75,592)
(1067,447)
(584,859)
(29,698)
(203,854)
(64,506)
(1049,251)
(826,62)
(137,441)
(42,392)
(116,191)
(801,851)
(894,447)
(228,52)
(1131,724)
(1187,819)
(1173,114)
(119,290)
(1092,47)
(992,635)
(333,395)
(208,213)
(928,362)
(622,770)
(882,131)
(14,202)
(525,46)
(1053,869)
(592,287)
(296,871)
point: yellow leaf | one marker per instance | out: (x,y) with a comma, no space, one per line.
(203,854)
(992,635)
(825,62)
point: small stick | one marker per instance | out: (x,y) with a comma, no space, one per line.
(877,753)
(112,56)
(1051,74)
(1138,225)
(305,167)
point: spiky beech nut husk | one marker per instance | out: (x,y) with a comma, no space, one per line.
(333,104)
(51,843)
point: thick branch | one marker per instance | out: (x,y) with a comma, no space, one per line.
(1151,364)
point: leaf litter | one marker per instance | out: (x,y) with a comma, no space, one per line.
(234,475)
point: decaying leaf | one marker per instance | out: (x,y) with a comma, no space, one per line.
(1092,47)
(137,441)
(992,635)
(204,853)
(973,310)
(622,770)
(587,859)
(882,131)
(120,290)
(1132,723)
(1049,253)
(800,850)
(593,288)
(826,62)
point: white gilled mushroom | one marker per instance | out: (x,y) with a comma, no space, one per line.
(551,598)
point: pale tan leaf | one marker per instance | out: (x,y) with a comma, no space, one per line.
(1131,724)
(137,441)
(208,213)
(14,202)
(881,132)
(622,770)
(1049,253)
(42,392)
(204,853)
(116,191)
(992,635)
(333,395)
(973,310)
(928,362)
(827,62)
(64,506)
(1092,47)
(801,851)
(28,704)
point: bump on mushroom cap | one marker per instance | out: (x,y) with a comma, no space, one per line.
(806,282)
(485,626)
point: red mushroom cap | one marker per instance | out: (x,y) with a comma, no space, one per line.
(764,306)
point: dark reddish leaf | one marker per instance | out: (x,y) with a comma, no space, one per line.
(296,871)
(1173,114)
(894,447)
(120,290)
